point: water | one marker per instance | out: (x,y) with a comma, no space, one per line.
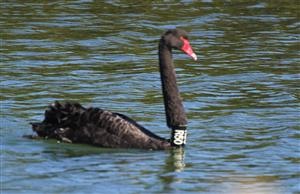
(241,96)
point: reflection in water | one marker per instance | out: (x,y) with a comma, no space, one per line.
(175,161)
(174,164)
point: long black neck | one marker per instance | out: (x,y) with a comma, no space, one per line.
(175,114)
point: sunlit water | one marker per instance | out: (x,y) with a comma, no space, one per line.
(241,96)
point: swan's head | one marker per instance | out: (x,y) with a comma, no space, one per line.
(178,39)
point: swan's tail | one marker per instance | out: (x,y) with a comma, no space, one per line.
(58,118)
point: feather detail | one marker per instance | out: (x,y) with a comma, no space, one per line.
(72,123)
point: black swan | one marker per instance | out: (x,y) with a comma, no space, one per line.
(72,123)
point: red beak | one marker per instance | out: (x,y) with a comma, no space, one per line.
(186,47)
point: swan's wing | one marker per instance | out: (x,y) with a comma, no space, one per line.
(143,129)
(70,122)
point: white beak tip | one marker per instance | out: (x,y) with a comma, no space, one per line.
(194,56)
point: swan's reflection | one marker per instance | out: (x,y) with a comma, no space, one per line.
(174,163)
(176,160)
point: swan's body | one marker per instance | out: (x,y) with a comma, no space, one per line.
(70,122)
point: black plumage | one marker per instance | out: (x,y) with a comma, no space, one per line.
(70,122)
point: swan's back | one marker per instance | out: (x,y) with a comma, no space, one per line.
(70,122)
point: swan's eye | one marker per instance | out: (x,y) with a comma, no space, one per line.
(185,37)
